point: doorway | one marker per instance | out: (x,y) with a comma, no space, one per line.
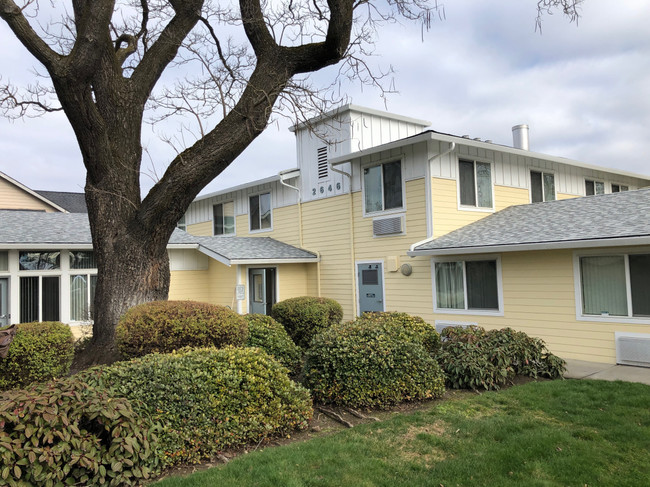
(370,278)
(4,301)
(261,284)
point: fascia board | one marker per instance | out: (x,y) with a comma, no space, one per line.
(276,261)
(214,255)
(335,161)
(259,182)
(570,244)
(45,246)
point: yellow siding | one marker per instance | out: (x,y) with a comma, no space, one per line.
(505,196)
(563,196)
(203,229)
(192,285)
(295,280)
(223,280)
(285,226)
(14,198)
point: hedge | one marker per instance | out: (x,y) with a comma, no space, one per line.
(266,333)
(305,316)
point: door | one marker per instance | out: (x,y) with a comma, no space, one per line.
(261,284)
(4,301)
(370,277)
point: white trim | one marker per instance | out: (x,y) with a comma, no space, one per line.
(577,282)
(594,180)
(259,182)
(542,172)
(263,262)
(475,207)
(383,280)
(466,310)
(381,162)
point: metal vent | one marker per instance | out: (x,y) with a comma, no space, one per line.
(387,226)
(322,162)
(633,349)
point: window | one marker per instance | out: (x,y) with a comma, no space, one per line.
(475,184)
(542,186)
(594,187)
(223,218)
(467,285)
(4,261)
(260,211)
(617,188)
(39,298)
(615,285)
(382,187)
(181,224)
(82,259)
(33,261)
(82,294)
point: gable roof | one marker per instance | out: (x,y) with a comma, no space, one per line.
(72,202)
(592,221)
(36,230)
(33,193)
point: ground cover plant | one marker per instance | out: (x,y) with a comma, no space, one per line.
(165,326)
(40,351)
(370,363)
(474,358)
(266,333)
(304,317)
(208,399)
(551,433)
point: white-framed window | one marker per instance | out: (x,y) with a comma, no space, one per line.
(475,184)
(593,186)
(82,295)
(617,188)
(4,261)
(383,187)
(223,218)
(260,212)
(40,298)
(471,286)
(542,186)
(613,286)
(181,224)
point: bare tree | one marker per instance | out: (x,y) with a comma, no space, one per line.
(107,63)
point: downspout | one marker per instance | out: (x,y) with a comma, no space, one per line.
(428,189)
(352,249)
(295,188)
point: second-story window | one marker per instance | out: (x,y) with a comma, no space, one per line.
(542,186)
(223,218)
(617,188)
(475,183)
(594,187)
(382,185)
(260,211)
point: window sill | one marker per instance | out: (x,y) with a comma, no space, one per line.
(265,230)
(475,208)
(392,211)
(633,320)
(472,312)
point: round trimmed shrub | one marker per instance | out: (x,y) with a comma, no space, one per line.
(67,432)
(413,325)
(269,335)
(370,364)
(39,352)
(165,326)
(210,399)
(306,316)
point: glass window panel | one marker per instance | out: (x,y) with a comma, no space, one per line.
(600,187)
(265,210)
(603,285)
(369,277)
(32,261)
(50,302)
(616,188)
(82,260)
(484,185)
(255,212)
(372,188)
(640,284)
(229,218)
(4,261)
(258,288)
(549,187)
(466,183)
(217,218)
(449,285)
(536,193)
(392,185)
(589,188)
(28,299)
(482,292)
(79,298)
(624,188)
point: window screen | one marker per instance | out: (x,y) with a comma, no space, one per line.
(603,285)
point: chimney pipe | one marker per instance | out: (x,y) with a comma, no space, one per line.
(520,137)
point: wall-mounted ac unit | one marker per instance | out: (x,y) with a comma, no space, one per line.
(391,225)
(441,325)
(633,349)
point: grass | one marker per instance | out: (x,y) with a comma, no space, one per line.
(561,433)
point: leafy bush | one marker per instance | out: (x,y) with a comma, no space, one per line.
(369,363)
(306,316)
(66,432)
(210,399)
(474,358)
(165,326)
(420,329)
(39,352)
(269,335)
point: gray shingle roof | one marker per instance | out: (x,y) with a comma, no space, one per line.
(39,228)
(552,224)
(73,202)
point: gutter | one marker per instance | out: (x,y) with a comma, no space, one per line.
(282,174)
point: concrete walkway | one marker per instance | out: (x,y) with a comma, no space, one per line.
(579,369)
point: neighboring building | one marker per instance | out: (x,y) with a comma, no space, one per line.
(70,202)
(16,196)
(383,215)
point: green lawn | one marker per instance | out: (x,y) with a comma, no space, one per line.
(561,433)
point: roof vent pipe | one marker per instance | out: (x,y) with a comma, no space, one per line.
(520,137)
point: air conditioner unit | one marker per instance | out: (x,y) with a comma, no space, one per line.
(633,349)
(441,325)
(392,225)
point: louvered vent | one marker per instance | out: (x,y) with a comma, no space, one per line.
(322,163)
(387,226)
(633,349)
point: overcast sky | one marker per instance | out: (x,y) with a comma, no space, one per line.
(583,89)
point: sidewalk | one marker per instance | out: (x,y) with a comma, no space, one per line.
(579,369)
